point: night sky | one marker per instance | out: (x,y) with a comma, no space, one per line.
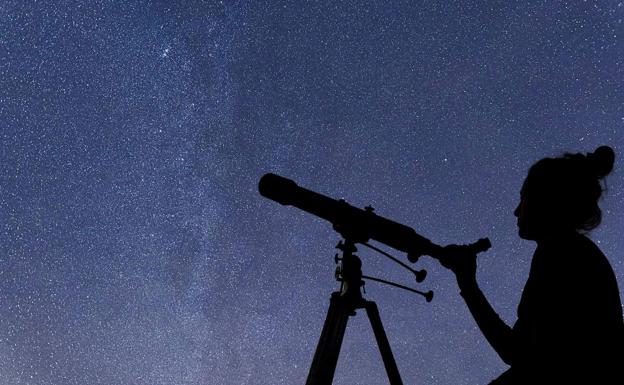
(134,245)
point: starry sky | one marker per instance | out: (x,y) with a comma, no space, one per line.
(135,248)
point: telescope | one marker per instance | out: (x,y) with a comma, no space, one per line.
(355,224)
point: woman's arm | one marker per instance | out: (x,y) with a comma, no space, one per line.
(497,333)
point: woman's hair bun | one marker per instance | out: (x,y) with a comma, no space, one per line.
(601,161)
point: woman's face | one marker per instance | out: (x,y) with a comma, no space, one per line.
(531,217)
(539,217)
(524,216)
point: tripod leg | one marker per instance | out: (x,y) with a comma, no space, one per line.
(328,348)
(382,342)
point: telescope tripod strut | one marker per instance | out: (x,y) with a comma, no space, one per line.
(342,305)
(327,351)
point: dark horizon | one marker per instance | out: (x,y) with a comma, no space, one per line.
(136,249)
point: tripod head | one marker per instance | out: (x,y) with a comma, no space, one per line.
(349,272)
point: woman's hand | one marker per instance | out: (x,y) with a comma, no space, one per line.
(461,261)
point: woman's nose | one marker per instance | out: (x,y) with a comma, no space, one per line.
(517,211)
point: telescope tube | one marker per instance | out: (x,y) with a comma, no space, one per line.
(351,222)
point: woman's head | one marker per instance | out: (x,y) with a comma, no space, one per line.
(561,194)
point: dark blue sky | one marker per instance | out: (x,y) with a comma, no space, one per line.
(134,246)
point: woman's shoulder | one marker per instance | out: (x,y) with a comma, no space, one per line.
(568,245)
(573,252)
(567,263)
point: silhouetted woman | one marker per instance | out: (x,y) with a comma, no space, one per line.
(569,328)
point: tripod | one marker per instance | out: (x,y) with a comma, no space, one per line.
(342,305)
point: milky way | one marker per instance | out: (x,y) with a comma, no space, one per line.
(135,248)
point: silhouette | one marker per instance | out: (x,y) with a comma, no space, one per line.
(569,328)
